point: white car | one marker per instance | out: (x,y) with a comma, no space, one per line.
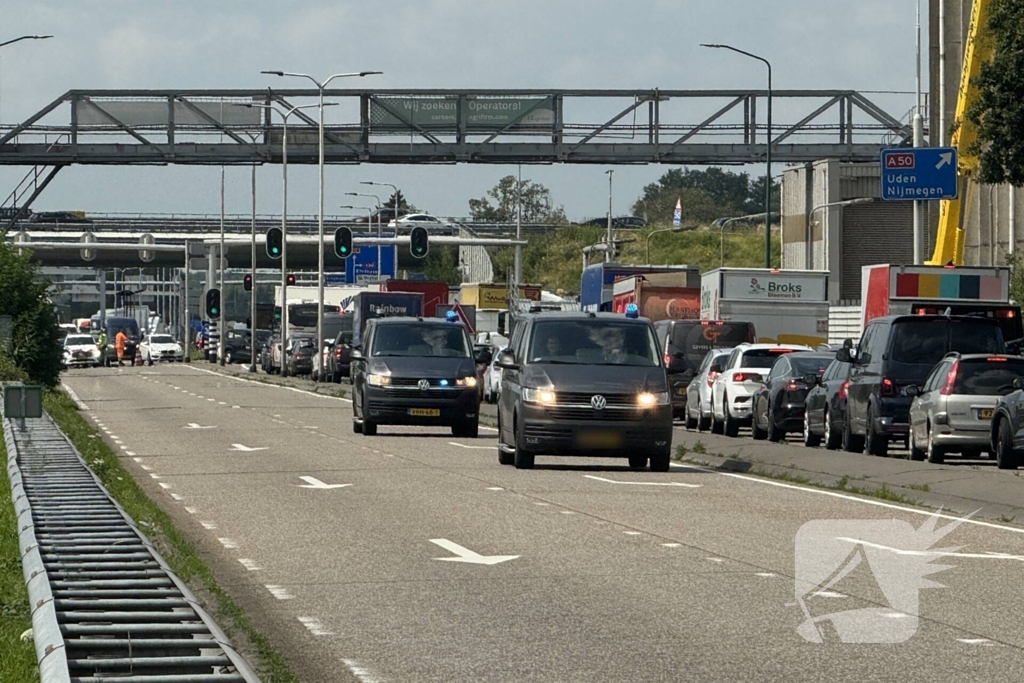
(80,351)
(698,392)
(431,223)
(742,375)
(157,347)
(492,379)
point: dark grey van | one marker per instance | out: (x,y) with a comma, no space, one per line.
(584,384)
(415,371)
(897,352)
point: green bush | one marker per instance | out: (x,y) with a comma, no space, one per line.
(33,347)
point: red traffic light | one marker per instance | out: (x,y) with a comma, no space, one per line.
(290,279)
(247,283)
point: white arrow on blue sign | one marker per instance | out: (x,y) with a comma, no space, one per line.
(910,173)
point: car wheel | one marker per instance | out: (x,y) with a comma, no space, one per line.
(775,434)
(661,461)
(703,421)
(915,452)
(369,428)
(469,429)
(756,431)
(1006,458)
(522,459)
(833,438)
(852,443)
(357,426)
(716,425)
(229,358)
(505,454)
(875,444)
(729,425)
(935,453)
(637,462)
(691,421)
(811,440)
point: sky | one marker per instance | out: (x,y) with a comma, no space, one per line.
(866,45)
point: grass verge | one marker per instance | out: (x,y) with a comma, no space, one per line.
(180,555)
(17,657)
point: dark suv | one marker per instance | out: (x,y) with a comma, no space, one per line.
(895,353)
(685,343)
(415,371)
(584,384)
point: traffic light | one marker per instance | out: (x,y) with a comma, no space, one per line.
(213,303)
(248,322)
(418,242)
(343,242)
(274,243)
(247,283)
(290,279)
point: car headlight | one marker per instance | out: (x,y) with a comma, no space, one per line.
(95,353)
(545,396)
(378,380)
(466,382)
(648,399)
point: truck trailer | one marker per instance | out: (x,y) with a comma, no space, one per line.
(597,283)
(659,296)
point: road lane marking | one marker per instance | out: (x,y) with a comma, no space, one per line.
(154,475)
(164,485)
(228,543)
(314,626)
(314,483)
(865,501)
(468,556)
(672,545)
(248,564)
(265,384)
(644,483)
(977,641)
(632,533)
(191,510)
(208,525)
(480,448)
(360,672)
(246,449)
(714,559)
(196,425)
(828,594)
(177,497)
(74,397)
(129,453)
(926,553)
(495,488)
(280,592)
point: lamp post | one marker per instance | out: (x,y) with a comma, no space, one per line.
(647,242)
(768,154)
(20,38)
(394,265)
(608,254)
(721,237)
(284,114)
(369,222)
(320,213)
(810,222)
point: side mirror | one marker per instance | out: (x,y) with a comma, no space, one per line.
(483,356)
(507,361)
(1018,383)
(810,379)
(356,354)
(847,343)
(914,390)
(843,355)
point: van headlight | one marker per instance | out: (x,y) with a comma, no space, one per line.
(648,399)
(545,396)
(466,382)
(378,380)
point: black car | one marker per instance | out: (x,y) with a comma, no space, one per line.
(238,346)
(339,360)
(298,355)
(778,406)
(685,343)
(415,371)
(1008,428)
(825,412)
(897,352)
(584,384)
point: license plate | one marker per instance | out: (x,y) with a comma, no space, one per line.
(599,439)
(425,412)
(985,413)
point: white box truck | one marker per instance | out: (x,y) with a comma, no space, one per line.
(786,306)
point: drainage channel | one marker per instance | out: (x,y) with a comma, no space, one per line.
(105,605)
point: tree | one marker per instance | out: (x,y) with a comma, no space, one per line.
(441,265)
(33,347)
(705,195)
(537,205)
(998,110)
(403,205)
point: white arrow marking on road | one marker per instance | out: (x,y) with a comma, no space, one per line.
(240,447)
(945,158)
(314,483)
(644,483)
(194,425)
(467,555)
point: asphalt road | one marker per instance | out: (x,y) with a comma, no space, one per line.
(614,575)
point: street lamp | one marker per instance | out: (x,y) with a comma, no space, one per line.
(810,222)
(369,221)
(768,154)
(320,217)
(284,114)
(722,222)
(608,253)
(15,40)
(394,266)
(647,242)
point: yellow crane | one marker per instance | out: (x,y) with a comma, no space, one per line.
(978,49)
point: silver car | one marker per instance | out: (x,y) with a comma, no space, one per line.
(698,391)
(952,410)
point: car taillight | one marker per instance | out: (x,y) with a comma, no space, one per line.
(889,387)
(668,359)
(792,386)
(947,388)
(996,359)
(337,353)
(842,390)
(740,377)
(712,376)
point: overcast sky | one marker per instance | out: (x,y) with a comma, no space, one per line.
(813,44)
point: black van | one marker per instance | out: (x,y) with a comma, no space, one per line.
(897,352)
(584,384)
(684,344)
(415,371)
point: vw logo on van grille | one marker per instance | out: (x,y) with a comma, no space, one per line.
(598,402)
(423,384)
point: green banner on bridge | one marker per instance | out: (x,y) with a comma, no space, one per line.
(443,113)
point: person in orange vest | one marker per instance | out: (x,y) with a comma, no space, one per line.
(119,342)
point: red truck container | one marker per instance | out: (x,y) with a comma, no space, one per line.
(660,296)
(434,293)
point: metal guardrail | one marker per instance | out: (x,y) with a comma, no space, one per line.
(105,605)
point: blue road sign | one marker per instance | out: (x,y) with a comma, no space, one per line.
(332,279)
(361,266)
(919,173)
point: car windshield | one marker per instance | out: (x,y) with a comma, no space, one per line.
(161,339)
(987,378)
(806,364)
(445,340)
(593,342)
(78,340)
(926,342)
(761,358)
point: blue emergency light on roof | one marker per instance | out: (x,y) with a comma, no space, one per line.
(451,316)
(632,311)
